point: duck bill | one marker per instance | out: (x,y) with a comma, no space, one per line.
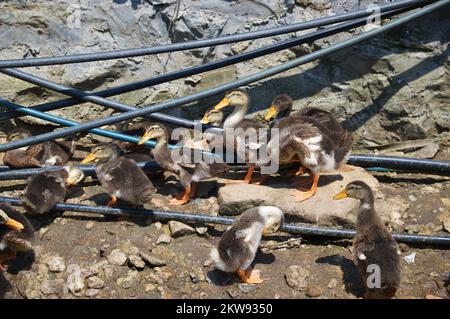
(340,195)
(205,120)
(266,231)
(225,102)
(13,224)
(144,138)
(88,159)
(271,113)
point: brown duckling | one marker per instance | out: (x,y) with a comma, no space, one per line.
(38,155)
(188,171)
(45,190)
(311,137)
(373,244)
(120,176)
(15,234)
(238,245)
(240,101)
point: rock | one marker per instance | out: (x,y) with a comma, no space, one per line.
(158,225)
(201,230)
(296,277)
(314,291)
(52,287)
(412,198)
(131,280)
(75,283)
(321,209)
(446,222)
(332,284)
(163,239)
(89,225)
(247,288)
(153,261)
(28,285)
(55,264)
(149,288)
(178,229)
(155,278)
(136,262)
(194,277)
(91,293)
(117,257)
(95,282)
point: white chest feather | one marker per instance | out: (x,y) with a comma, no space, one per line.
(3,245)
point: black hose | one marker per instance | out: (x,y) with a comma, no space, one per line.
(207,219)
(107,55)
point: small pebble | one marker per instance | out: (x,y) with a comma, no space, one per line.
(91,292)
(117,257)
(153,261)
(332,284)
(313,291)
(56,264)
(89,225)
(136,262)
(412,197)
(247,288)
(163,239)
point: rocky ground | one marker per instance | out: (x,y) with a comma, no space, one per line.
(90,256)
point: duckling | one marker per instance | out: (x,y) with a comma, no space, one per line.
(373,244)
(188,171)
(23,157)
(38,155)
(240,101)
(311,137)
(215,118)
(45,190)
(238,245)
(120,176)
(15,234)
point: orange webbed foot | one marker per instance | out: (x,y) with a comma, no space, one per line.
(252,277)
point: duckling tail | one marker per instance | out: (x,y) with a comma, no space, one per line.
(215,256)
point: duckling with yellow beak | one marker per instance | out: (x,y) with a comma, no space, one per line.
(189,172)
(120,176)
(15,234)
(240,101)
(238,245)
(373,244)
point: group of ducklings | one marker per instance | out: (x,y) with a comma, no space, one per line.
(310,137)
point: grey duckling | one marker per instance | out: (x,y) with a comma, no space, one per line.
(45,190)
(238,245)
(16,233)
(188,171)
(120,176)
(373,244)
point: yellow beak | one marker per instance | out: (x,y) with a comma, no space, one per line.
(11,223)
(265,231)
(271,113)
(205,120)
(88,159)
(222,104)
(145,138)
(341,195)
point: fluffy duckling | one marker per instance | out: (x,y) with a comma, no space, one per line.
(38,155)
(311,137)
(373,244)
(27,156)
(213,117)
(189,172)
(45,190)
(240,101)
(120,176)
(238,245)
(15,234)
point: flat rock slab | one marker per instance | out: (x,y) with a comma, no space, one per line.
(320,209)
